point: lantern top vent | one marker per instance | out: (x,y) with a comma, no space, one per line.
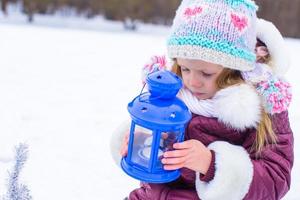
(163,84)
(160,108)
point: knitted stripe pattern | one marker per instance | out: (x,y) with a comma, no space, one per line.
(218,31)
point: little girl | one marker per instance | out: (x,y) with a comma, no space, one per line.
(238,144)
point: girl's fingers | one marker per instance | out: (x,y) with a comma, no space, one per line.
(164,136)
(127,135)
(173,161)
(176,153)
(124,151)
(173,167)
(182,145)
(124,146)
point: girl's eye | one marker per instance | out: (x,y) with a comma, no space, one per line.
(206,74)
(184,69)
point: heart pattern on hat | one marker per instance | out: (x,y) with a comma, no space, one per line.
(239,21)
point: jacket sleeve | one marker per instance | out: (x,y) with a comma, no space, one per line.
(272,170)
(241,174)
(116,140)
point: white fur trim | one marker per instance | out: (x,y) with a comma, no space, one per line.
(238,106)
(116,141)
(270,35)
(233,175)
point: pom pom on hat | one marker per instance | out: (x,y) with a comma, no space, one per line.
(275,92)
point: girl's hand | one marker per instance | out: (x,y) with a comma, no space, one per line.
(191,154)
(124,146)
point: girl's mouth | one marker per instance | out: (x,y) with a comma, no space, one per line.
(198,94)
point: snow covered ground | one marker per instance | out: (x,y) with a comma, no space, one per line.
(64,90)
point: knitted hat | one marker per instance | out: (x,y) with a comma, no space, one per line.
(217,31)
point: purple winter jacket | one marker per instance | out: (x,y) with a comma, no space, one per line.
(243,176)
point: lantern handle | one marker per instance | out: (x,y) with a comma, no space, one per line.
(142,92)
(144,85)
(142,89)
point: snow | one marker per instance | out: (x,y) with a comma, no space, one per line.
(64,87)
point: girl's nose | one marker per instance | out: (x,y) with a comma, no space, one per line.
(195,81)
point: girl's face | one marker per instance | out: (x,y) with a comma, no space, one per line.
(200,77)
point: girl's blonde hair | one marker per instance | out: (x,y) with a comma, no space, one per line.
(228,77)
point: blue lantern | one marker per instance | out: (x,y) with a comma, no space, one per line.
(159,119)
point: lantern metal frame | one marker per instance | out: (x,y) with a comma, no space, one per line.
(159,111)
(152,174)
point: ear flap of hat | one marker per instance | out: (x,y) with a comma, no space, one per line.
(270,35)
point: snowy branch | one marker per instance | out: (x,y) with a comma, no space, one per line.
(16,190)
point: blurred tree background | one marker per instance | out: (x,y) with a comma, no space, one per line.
(283,13)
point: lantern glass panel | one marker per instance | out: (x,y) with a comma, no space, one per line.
(142,143)
(166,144)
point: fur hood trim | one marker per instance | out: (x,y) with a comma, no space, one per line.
(238,106)
(270,35)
